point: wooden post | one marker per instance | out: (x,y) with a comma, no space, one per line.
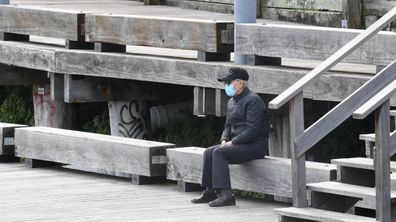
(351,10)
(51,113)
(296,116)
(382,162)
(130,119)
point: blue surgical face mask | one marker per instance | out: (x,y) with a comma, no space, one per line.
(229,90)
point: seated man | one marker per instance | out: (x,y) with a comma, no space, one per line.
(245,138)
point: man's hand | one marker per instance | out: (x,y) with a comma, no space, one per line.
(224,143)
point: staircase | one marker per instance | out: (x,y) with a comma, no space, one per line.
(361,183)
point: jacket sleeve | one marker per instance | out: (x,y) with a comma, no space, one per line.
(226,135)
(255,115)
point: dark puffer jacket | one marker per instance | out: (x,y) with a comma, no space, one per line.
(247,120)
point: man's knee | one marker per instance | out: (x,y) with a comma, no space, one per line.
(209,151)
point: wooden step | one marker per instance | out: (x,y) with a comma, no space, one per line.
(343,189)
(319,215)
(359,162)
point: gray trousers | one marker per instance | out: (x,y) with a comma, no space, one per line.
(216,173)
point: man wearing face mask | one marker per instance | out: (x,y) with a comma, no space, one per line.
(245,138)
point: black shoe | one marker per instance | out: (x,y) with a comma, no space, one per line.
(205,197)
(223,200)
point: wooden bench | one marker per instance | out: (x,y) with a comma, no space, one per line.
(7,149)
(271,175)
(312,43)
(214,40)
(143,160)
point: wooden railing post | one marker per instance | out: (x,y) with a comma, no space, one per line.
(299,187)
(382,162)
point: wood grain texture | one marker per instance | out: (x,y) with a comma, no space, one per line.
(271,175)
(382,163)
(92,150)
(312,214)
(42,22)
(329,5)
(69,195)
(378,7)
(317,18)
(315,43)
(213,36)
(27,56)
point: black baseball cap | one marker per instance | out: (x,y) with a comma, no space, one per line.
(235,73)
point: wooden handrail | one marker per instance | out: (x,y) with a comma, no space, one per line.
(375,101)
(337,57)
(344,110)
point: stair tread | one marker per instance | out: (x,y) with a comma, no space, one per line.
(393,112)
(359,162)
(321,215)
(346,190)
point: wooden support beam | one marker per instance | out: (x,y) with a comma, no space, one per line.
(131,156)
(214,36)
(204,101)
(312,43)
(352,12)
(33,163)
(144,180)
(6,36)
(42,22)
(70,44)
(94,89)
(221,103)
(299,180)
(211,56)
(255,60)
(51,113)
(325,5)
(57,86)
(189,187)
(16,76)
(7,138)
(130,119)
(183,72)
(382,163)
(109,47)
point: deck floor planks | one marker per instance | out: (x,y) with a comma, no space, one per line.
(56,194)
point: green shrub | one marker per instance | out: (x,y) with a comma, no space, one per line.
(16,105)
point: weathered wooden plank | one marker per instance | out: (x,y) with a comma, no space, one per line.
(382,163)
(7,138)
(324,5)
(378,7)
(299,175)
(27,56)
(351,11)
(204,101)
(213,36)
(318,18)
(207,6)
(16,76)
(271,175)
(42,22)
(376,101)
(313,214)
(92,150)
(263,79)
(315,43)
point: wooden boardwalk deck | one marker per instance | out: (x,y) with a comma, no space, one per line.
(58,194)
